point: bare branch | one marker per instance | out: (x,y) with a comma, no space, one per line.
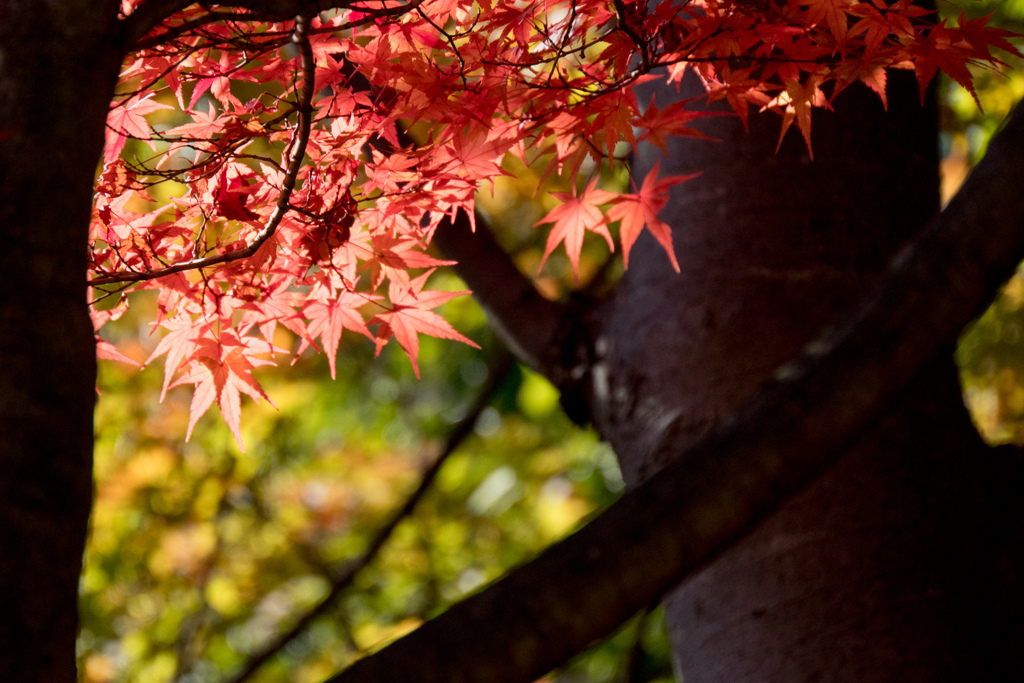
(627,24)
(581,589)
(498,370)
(173,32)
(283,9)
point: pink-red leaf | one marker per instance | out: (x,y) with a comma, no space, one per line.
(221,371)
(572,219)
(128,119)
(410,315)
(635,211)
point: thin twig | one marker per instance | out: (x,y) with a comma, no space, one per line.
(499,369)
(304,108)
(626,27)
(172,32)
(176,31)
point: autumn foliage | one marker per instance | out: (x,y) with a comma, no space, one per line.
(293,173)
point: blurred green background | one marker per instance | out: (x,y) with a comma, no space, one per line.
(200,555)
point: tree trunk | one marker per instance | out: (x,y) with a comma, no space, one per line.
(56,79)
(885,569)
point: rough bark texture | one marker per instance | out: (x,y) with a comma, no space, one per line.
(883,569)
(56,79)
(683,518)
(886,569)
(772,247)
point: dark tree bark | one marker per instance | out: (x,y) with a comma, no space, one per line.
(687,514)
(886,568)
(903,562)
(57,74)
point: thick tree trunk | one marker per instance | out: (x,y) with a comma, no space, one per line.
(885,569)
(56,79)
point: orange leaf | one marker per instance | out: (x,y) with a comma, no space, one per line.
(832,13)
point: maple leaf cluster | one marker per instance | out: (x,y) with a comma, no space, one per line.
(293,173)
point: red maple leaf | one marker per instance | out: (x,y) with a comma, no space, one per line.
(410,314)
(232,195)
(221,370)
(796,104)
(128,119)
(328,316)
(642,209)
(980,36)
(105,349)
(832,13)
(179,344)
(572,219)
(520,78)
(672,121)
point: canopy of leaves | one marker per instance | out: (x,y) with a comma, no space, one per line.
(262,174)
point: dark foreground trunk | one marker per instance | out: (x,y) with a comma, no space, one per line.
(894,566)
(56,79)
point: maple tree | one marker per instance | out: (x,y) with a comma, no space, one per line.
(308,205)
(288,163)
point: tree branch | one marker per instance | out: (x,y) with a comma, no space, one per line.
(149,15)
(582,588)
(178,30)
(283,9)
(173,32)
(529,324)
(152,13)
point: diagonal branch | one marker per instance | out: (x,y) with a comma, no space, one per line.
(498,370)
(582,588)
